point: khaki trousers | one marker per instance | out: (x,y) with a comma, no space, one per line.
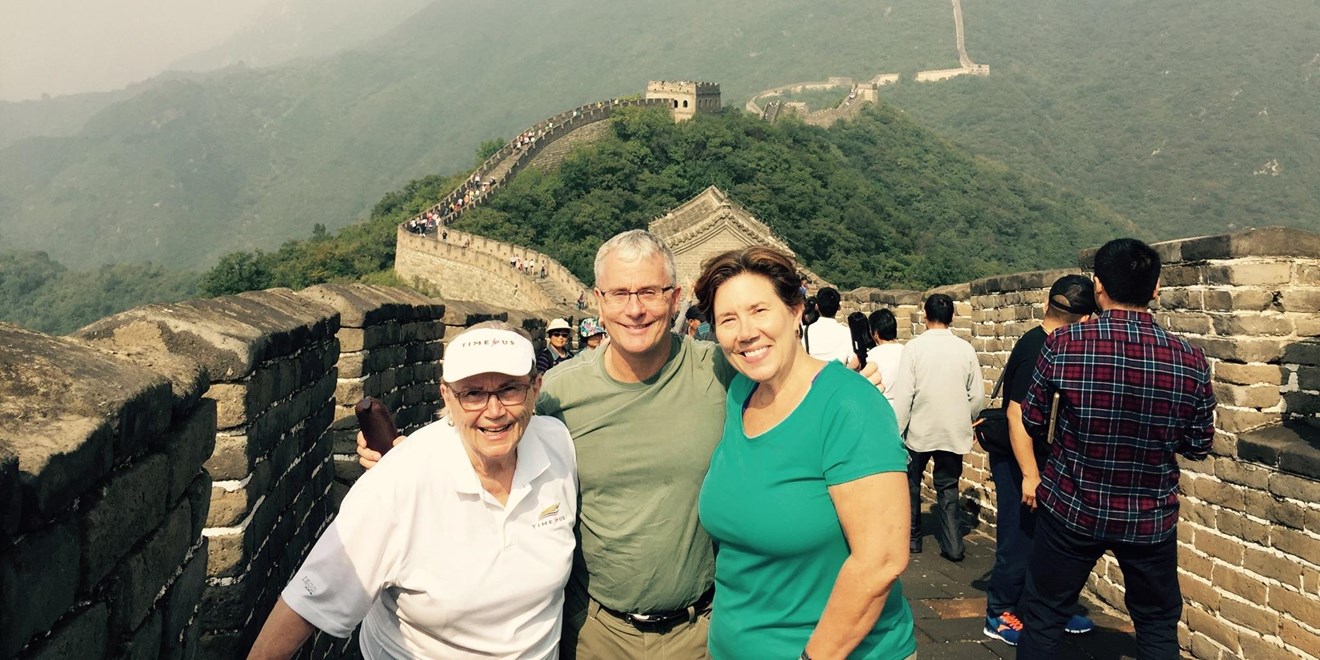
(595,634)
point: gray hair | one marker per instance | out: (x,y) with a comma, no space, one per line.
(634,245)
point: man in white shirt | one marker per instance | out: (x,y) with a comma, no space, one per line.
(827,339)
(887,352)
(938,393)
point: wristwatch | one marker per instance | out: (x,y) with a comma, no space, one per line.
(804,655)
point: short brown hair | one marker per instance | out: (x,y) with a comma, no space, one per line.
(759,260)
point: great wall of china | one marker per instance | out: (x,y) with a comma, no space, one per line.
(768,104)
(164,470)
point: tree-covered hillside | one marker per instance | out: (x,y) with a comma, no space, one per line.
(247,158)
(877,202)
(1187,117)
(43,294)
(873,202)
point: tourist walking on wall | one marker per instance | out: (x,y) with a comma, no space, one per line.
(827,339)
(556,345)
(937,395)
(1131,398)
(696,325)
(887,353)
(1015,468)
(490,473)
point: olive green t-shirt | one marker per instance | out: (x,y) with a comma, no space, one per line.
(642,451)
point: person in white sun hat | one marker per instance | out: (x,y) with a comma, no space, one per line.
(458,546)
(556,345)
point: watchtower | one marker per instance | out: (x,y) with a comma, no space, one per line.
(686,98)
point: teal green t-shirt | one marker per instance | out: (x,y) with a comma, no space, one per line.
(765,501)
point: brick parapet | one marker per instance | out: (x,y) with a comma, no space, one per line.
(1250,528)
(103,491)
(271,357)
(473,267)
(391,343)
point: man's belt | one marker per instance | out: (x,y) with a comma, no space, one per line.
(663,622)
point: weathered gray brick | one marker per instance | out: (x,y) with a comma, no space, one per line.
(43,562)
(145,644)
(1248,274)
(1249,374)
(144,574)
(188,445)
(184,596)
(130,505)
(83,634)
(1253,325)
(1248,396)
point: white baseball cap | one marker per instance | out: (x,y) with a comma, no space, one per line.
(488,350)
(558,324)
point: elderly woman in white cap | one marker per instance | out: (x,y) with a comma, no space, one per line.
(458,546)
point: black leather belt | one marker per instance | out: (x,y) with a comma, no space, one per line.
(663,622)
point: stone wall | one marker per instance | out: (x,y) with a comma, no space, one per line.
(389,349)
(270,356)
(165,470)
(476,268)
(555,152)
(1250,519)
(102,500)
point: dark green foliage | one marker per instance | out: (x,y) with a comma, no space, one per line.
(354,252)
(246,158)
(1172,113)
(40,293)
(873,202)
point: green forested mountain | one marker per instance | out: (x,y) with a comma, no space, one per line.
(873,202)
(42,294)
(877,201)
(246,158)
(1185,117)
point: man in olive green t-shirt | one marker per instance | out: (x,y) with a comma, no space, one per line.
(645,414)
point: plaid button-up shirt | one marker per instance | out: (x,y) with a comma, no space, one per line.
(1132,396)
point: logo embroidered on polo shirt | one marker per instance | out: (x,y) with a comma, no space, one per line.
(549,516)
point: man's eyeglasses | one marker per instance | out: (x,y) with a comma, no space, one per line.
(649,297)
(509,395)
(558,333)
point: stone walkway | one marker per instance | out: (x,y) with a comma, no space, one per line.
(948,601)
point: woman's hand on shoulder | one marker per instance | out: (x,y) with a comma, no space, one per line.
(871,371)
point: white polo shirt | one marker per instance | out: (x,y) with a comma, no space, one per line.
(434,567)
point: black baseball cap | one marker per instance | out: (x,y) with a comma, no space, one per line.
(1074,294)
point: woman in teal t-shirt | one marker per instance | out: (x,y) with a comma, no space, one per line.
(807,490)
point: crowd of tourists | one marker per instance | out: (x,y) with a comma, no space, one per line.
(570,505)
(530,267)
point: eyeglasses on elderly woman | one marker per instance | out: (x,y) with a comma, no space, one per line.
(509,395)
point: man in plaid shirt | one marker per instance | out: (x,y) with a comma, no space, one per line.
(1131,397)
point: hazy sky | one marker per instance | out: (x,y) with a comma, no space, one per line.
(68,46)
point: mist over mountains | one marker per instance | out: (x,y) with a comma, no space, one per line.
(196,166)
